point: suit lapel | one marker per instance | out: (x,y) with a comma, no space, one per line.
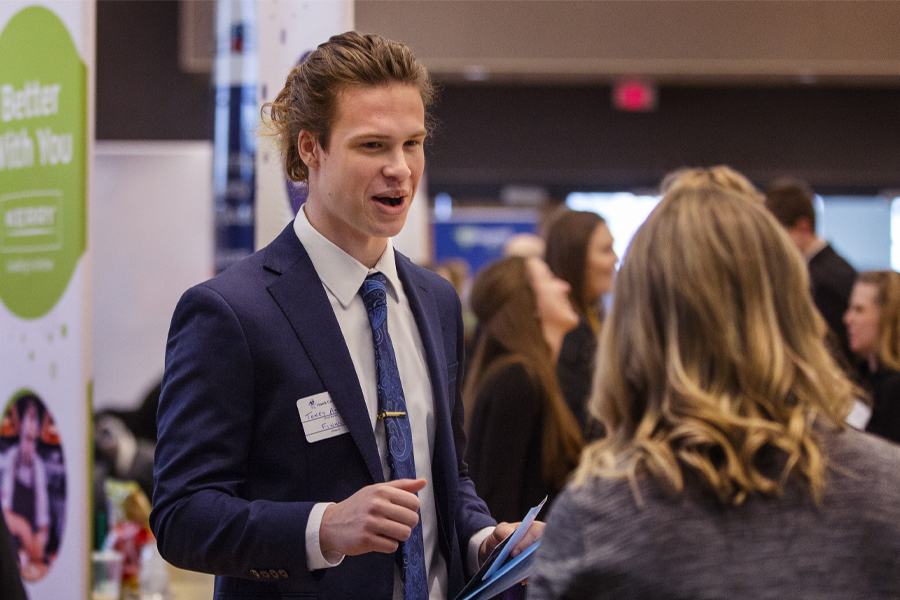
(302,298)
(443,463)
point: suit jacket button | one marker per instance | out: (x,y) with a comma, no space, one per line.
(255,573)
(265,574)
(274,574)
(283,573)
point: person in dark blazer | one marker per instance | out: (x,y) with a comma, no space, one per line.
(303,449)
(831,276)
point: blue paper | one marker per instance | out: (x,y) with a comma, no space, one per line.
(506,576)
(494,576)
(515,538)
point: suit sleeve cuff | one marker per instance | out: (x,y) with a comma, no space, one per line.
(315,558)
(474,545)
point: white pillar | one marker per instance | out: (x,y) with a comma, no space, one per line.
(287,31)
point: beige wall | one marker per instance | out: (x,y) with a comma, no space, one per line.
(706,40)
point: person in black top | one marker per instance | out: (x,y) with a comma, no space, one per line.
(831,276)
(873,325)
(580,252)
(523,439)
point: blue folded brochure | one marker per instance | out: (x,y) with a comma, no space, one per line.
(496,574)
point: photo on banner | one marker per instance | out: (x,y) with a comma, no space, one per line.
(32,483)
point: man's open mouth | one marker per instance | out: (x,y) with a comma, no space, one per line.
(390,200)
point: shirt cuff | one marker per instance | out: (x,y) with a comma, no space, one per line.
(475,545)
(315,558)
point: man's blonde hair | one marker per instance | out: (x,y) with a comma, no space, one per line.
(712,360)
(309,98)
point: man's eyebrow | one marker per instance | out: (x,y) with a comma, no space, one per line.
(382,136)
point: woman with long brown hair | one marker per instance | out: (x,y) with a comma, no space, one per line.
(873,332)
(727,471)
(580,252)
(523,439)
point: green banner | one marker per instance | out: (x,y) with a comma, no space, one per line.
(42,161)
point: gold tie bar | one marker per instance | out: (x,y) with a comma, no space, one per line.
(389,413)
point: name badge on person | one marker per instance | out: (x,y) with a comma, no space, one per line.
(320,417)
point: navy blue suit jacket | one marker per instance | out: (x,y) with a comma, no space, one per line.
(235,477)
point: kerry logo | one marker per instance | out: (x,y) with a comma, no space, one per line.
(31,221)
(43,161)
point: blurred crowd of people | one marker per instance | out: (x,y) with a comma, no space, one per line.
(739,348)
(728,365)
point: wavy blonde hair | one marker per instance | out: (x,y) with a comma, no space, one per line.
(720,175)
(713,355)
(888,299)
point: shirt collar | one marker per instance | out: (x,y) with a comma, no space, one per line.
(342,274)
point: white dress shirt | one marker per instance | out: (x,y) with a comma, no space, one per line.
(342,276)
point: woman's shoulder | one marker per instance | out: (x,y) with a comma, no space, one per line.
(885,380)
(513,380)
(597,498)
(864,464)
(510,372)
(579,345)
(857,448)
(583,332)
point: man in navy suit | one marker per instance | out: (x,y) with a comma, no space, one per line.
(273,469)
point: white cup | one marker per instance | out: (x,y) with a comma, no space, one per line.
(107,572)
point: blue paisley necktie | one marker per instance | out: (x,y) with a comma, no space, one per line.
(392,409)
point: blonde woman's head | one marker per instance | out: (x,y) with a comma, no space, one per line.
(721,176)
(713,352)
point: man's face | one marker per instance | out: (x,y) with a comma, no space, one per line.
(361,188)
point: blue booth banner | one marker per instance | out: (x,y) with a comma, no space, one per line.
(478,235)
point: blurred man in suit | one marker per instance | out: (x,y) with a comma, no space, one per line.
(831,276)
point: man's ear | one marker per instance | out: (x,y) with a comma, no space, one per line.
(804,225)
(309,149)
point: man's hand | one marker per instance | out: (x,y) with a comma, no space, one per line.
(501,532)
(374,519)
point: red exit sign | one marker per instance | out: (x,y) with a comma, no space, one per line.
(634,96)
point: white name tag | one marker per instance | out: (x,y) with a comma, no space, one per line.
(859,416)
(320,417)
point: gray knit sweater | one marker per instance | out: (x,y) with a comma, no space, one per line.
(600,544)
